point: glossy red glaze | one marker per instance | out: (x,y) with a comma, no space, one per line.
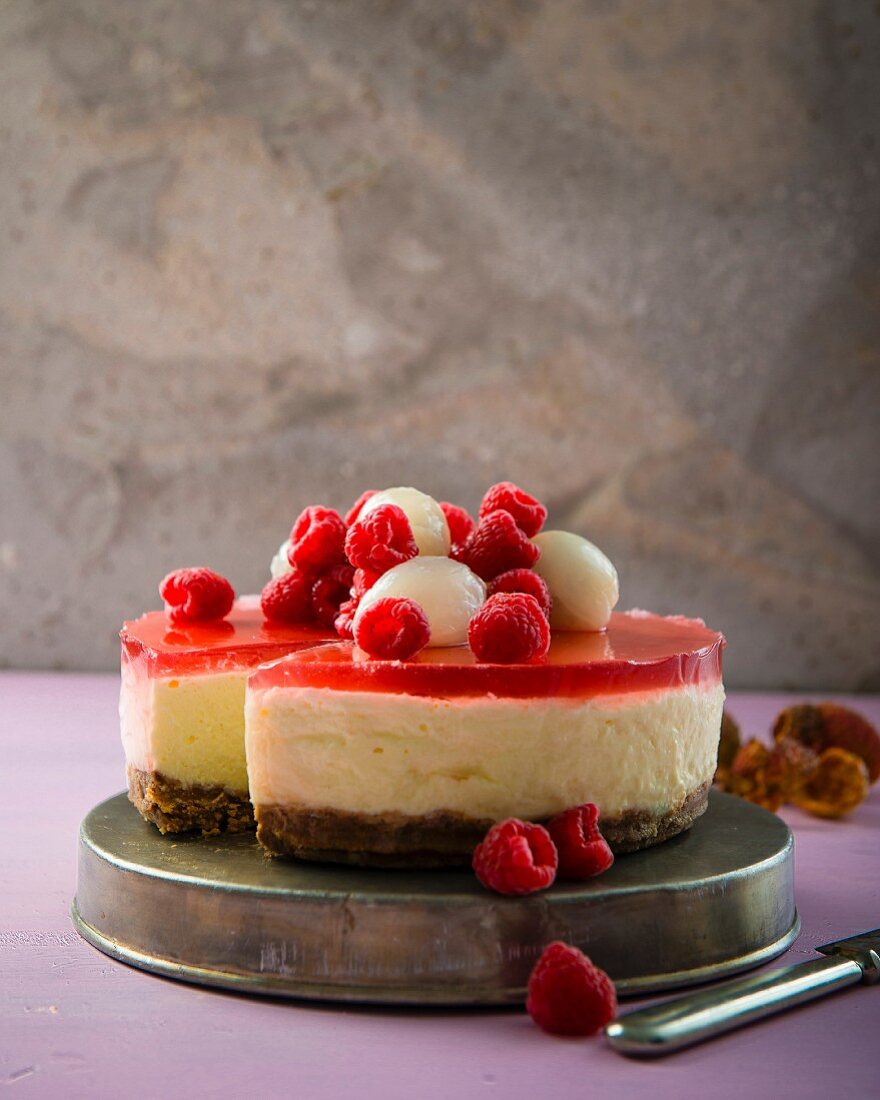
(638,652)
(242,640)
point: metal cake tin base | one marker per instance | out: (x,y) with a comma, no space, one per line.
(713,901)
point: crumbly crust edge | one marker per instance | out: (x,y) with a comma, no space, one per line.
(440,839)
(175,807)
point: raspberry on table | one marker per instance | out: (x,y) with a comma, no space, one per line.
(460,523)
(496,546)
(317,541)
(197,594)
(393,629)
(381,540)
(355,510)
(583,851)
(515,857)
(523,580)
(508,629)
(288,598)
(568,994)
(528,512)
(330,591)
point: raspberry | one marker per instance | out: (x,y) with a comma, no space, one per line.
(288,599)
(528,512)
(364,579)
(344,622)
(381,540)
(460,523)
(496,546)
(196,595)
(515,857)
(355,510)
(568,994)
(523,580)
(509,628)
(329,592)
(393,629)
(583,851)
(317,540)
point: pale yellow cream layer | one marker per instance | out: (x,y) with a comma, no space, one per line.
(190,729)
(372,753)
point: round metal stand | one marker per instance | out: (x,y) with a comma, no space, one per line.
(713,901)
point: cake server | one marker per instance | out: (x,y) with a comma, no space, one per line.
(678,1023)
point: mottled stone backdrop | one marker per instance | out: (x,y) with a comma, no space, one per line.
(625,252)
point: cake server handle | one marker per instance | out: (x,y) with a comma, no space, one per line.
(674,1024)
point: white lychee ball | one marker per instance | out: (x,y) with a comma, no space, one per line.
(582,581)
(447,591)
(279,566)
(429,526)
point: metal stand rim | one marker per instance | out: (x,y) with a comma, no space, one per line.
(283,987)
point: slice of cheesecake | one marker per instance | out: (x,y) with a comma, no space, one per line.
(409,762)
(181,711)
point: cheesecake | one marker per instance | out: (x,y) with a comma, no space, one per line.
(410,676)
(407,763)
(181,711)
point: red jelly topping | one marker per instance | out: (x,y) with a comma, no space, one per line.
(243,639)
(638,652)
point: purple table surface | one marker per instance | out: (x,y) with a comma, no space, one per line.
(73,1023)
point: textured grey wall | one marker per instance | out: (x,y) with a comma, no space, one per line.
(260,255)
